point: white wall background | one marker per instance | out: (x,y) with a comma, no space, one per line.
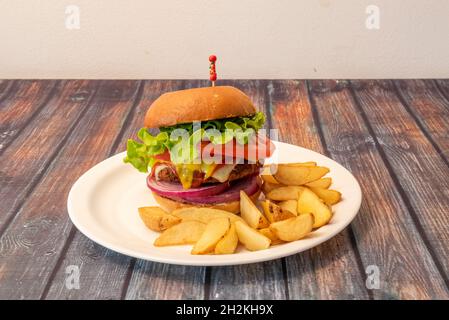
(252,39)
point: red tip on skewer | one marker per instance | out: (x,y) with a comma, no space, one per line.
(212,71)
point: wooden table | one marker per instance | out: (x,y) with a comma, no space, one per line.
(392,135)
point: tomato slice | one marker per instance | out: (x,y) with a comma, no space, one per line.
(165,156)
(257,149)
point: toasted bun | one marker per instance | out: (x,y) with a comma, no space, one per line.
(199,104)
(169,205)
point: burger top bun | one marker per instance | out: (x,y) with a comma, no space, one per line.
(198,104)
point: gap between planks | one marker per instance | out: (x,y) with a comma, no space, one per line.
(415,118)
(443,92)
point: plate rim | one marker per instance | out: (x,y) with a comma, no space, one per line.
(256,258)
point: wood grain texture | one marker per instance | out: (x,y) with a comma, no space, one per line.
(331,270)
(422,176)
(22,164)
(384,230)
(151,280)
(253,281)
(392,136)
(6,89)
(430,109)
(19,108)
(104,273)
(32,244)
(443,86)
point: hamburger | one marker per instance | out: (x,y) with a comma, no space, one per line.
(201,147)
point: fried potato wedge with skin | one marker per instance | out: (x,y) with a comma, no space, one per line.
(188,232)
(267,187)
(250,213)
(228,243)
(309,202)
(252,239)
(270,235)
(289,205)
(323,183)
(274,213)
(267,176)
(214,232)
(302,164)
(156,219)
(294,228)
(270,169)
(285,193)
(299,175)
(329,197)
(204,215)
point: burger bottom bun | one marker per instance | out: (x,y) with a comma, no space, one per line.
(169,205)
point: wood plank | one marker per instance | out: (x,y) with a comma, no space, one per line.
(331,270)
(430,109)
(258,280)
(105,274)
(6,88)
(32,150)
(19,108)
(443,86)
(384,230)
(31,246)
(421,174)
(152,280)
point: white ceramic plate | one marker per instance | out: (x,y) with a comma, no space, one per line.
(103,205)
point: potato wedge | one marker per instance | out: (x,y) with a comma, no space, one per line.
(274,213)
(251,238)
(285,193)
(214,232)
(309,202)
(329,197)
(294,228)
(299,175)
(204,215)
(267,187)
(156,219)
(270,235)
(187,232)
(323,183)
(302,164)
(267,176)
(289,205)
(249,212)
(228,243)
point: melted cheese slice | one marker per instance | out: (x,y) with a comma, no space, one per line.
(222,173)
(186,172)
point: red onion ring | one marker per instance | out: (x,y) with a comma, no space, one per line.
(169,189)
(249,184)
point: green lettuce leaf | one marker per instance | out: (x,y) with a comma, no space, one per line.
(141,154)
